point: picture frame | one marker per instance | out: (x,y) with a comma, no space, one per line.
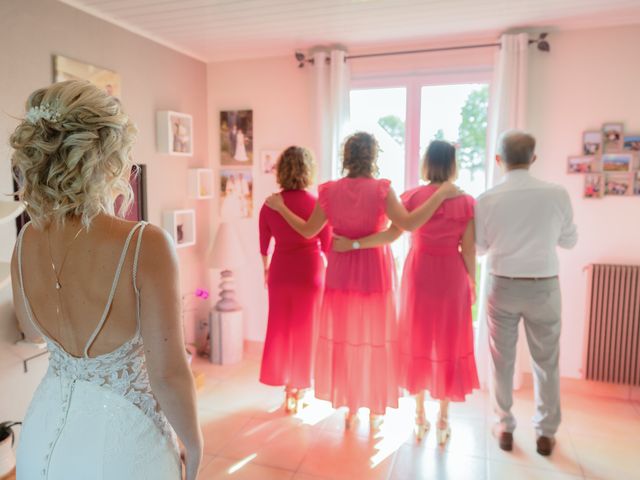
(617,162)
(632,142)
(613,137)
(236,193)
(593,186)
(65,68)
(236,138)
(138,210)
(269,161)
(200,182)
(174,133)
(181,225)
(618,184)
(636,183)
(583,164)
(592,142)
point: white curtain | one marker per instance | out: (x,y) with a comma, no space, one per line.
(507,111)
(331,94)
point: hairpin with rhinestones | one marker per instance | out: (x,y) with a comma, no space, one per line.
(44,111)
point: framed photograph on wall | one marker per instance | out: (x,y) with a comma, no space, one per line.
(632,142)
(236,193)
(613,137)
(269,161)
(618,184)
(583,164)
(236,138)
(174,133)
(593,186)
(636,183)
(65,68)
(592,143)
(138,209)
(617,162)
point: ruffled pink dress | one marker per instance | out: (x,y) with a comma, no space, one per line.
(357,359)
(436,330)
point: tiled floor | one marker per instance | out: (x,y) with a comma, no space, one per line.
(248,437)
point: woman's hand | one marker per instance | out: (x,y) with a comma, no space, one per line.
(472,288)
(341,244)
(266,277)
(275,202)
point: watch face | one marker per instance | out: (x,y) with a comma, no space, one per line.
(356,245)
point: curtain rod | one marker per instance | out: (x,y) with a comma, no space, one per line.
(541,42)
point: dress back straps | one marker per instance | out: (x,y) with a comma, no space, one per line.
(114,285)
(135,272)
(27,305)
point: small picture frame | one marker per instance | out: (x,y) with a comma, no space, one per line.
(617,162)
(174,132)
(636,183)
(236,193)
(618,184)
(593,186)
(181,225)
(613,137)
(583,164)
(632,142)
(269,161)
(200,183)
(592,142)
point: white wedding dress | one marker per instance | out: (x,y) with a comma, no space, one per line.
(96,418)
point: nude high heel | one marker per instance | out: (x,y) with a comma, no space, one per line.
(350,420)
(290,401)
(422,426)
(443,431)
(375,422)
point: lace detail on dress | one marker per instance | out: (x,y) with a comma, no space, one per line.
(122,371)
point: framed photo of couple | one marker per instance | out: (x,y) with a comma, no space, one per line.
(236,138)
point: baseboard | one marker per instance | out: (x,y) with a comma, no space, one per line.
(590,388)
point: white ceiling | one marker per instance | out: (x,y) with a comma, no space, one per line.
(216,30)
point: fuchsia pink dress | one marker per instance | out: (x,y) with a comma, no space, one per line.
(356,364)
(436,331)
(296,279)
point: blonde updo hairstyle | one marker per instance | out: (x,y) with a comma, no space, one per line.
(77,163)
(295,168)
(360,155)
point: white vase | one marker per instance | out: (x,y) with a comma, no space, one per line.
(7,457)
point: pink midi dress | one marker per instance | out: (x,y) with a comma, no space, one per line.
(436,330)
(357,359)
(295,283)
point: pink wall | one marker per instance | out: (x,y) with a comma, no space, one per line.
(154,78)
(280,97)
(590,77)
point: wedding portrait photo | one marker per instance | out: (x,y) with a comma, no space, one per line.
(236,193)
(236,138)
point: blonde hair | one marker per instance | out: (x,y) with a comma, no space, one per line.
(295,168)
(77,163)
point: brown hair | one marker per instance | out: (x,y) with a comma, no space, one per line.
(295,168)
(360,155)
(516,148)
(439,162)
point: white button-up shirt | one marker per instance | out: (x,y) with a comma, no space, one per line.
(519,224)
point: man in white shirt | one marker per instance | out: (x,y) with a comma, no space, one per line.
(519,224)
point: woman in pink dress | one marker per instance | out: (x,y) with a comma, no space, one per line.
(294,277)
(438,289)
(357,358)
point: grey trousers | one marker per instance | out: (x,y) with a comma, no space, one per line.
(537,302)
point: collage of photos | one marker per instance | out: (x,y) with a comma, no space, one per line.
(236,160)
(610,162)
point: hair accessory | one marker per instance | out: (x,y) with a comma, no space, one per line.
(44,111)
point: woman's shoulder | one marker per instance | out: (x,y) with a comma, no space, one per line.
(460,207)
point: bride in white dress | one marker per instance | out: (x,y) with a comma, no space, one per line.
(241,150)
(104,294)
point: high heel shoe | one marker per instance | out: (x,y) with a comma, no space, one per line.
(300,402)
(443,432)
(290,401)
(422,426)
(350,420)
(375,422)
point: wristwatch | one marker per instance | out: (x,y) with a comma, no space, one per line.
(355,245)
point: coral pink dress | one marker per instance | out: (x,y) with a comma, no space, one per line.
(436,331)
(296,279)
(357,360)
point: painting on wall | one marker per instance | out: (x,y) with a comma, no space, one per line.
(632,142)
(593,187)
(174,133)
(618,184)
(583,164)
(617,162)
(636,184)
(613,137)
(269,161)
(236,193)
(65,68)
(138,209)
(236,138)
(592,143)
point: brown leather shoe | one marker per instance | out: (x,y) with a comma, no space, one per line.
(505,440)
(544,445)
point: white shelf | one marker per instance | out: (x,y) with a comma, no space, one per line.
(5,274)
(200,183)
(181,225)
(10,210)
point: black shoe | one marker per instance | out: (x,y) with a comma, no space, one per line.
(544,445)
(505,440)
